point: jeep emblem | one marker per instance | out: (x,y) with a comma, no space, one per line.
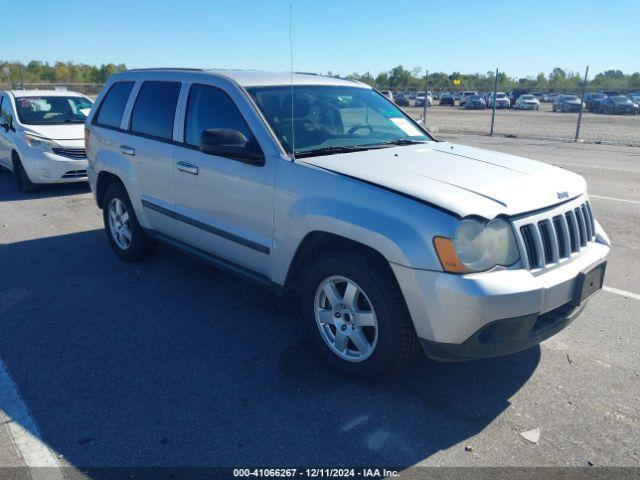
(562,195)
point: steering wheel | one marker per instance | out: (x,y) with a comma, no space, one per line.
(360,126)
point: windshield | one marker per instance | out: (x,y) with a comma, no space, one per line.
(53,110)
(528,97)
(570,97)
(621,99)
(330,118)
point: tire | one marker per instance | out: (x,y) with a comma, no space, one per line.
(23,181)
(393,342)
(125,235)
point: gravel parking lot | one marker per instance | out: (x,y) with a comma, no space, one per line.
(173,363)
(544,124)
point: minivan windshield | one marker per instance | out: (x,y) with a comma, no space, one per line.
(52,110)
(334,119)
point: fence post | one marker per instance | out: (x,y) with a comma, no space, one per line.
(424,111)
(493,114)
(584,89)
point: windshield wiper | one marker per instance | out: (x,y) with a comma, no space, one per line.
(342,149)
(404,141)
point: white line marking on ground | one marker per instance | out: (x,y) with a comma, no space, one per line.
(25,432)
(624,293)
(615,199)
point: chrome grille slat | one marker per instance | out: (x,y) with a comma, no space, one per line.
(555,235)
(592,220)
(573,231)
(582,230)
(74,153)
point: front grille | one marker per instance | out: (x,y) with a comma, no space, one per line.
(75,153)
(75,174)
(556,235)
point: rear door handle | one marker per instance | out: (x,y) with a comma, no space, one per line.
(127,150)
(187,168)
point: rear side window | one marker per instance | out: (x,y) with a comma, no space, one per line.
(112,107)
(155,109)
(210,107)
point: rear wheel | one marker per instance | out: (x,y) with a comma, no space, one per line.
(125,235)
(356,315)
(23,181)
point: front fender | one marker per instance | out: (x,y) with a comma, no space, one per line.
(310,199)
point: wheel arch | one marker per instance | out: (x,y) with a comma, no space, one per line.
(103,181)
(318,242)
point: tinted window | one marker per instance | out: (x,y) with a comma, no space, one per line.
(5,112)
(210,107)
(112,107)
(155,109)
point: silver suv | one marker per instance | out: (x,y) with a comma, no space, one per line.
(324,187)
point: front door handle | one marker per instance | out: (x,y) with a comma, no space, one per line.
(187,168)
(127,150)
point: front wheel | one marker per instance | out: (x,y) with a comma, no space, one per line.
(125,235)
(357,317)
(23,181)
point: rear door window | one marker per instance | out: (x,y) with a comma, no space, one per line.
(112,107)
(155,108)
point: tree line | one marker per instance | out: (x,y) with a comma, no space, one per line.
(59,72)
(398,78)
(558,80)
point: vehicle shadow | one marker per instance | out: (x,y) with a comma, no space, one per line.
(9,191)
(173,363)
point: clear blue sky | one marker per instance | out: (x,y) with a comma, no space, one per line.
(329,35)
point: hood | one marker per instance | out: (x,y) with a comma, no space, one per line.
(73,131)
(463,180)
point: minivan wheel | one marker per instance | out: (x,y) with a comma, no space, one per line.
(357,317)
(23,181)
(125,235)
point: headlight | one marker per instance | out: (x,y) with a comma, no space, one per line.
(477,247)
(39,142)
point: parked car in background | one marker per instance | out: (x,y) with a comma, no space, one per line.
(401,99)
(619,104)
(387,93)
(465,95)
(611,93)
(501,100)
(527,102)
(42,136)
(635,98)
(592,101)
(382,263)
(567,103)
(475,102)
(422,97)
(447,99)
(515,94)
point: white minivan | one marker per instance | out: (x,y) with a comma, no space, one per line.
(323,187)
(42,136)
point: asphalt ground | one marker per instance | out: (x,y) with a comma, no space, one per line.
(545,124)
(174,363)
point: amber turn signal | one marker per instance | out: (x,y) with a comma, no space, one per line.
(448,256)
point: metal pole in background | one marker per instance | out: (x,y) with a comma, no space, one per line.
(584,89)
(21,80)
(493,114)
(7,72)
(424,111)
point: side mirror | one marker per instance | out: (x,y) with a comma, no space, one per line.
(230,143)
